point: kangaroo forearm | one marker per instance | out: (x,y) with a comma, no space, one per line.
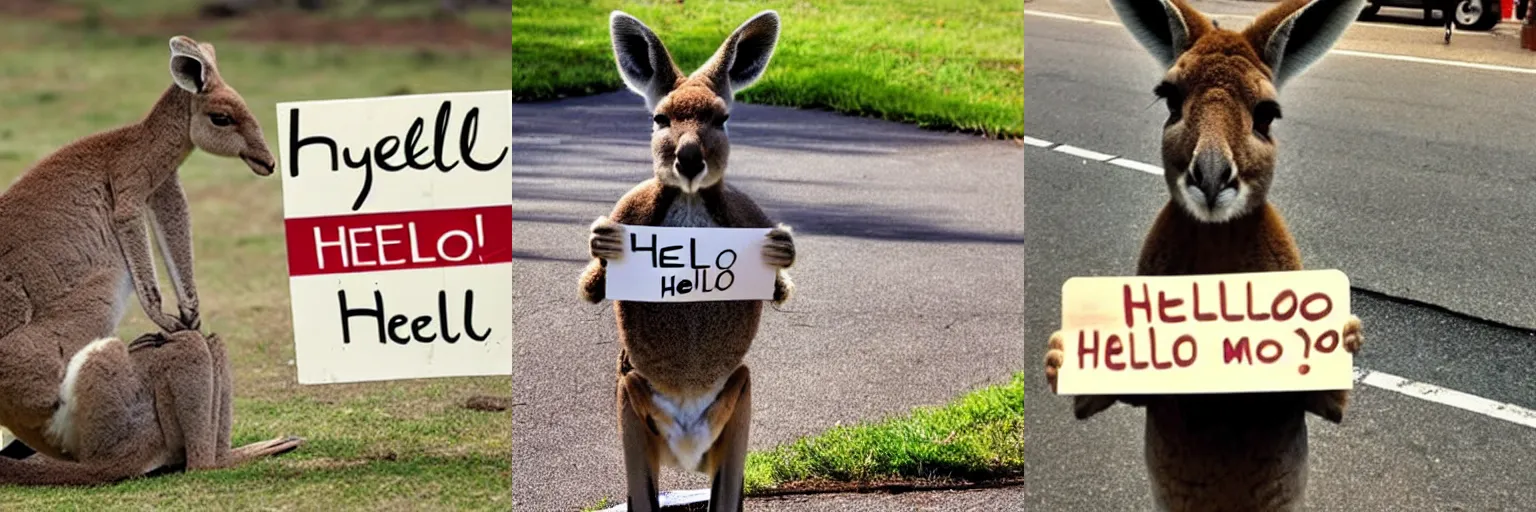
(133,239)
(593,285)
(173,230)
(783,288)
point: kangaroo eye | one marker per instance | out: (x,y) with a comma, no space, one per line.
(661,120)
(1264,113)
(220,119)
(1171,94)
(720,121)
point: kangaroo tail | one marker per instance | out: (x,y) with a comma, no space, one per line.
(41,470)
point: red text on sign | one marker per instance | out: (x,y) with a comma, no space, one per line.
(399,240)
(1285,305)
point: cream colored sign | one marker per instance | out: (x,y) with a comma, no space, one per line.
(398,221)
(668,264)
(1222,333)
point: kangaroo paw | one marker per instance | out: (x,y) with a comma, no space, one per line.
(606,240)
(1351,335)
(1053,358)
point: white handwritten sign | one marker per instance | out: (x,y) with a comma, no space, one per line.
(691,265)
(398,213)
(1224,333)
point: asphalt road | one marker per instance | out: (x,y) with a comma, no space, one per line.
(908,279)
(1397,173)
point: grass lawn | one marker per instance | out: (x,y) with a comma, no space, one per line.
(403,445)
(943,64)
(978,436)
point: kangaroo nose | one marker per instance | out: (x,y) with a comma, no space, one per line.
(1211,172)
(690,161)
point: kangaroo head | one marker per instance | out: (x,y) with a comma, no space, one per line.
(1221,88)
(220,122)
(689,145)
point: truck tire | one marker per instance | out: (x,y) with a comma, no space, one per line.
(1476,14)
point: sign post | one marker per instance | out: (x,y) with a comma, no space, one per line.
(1222,333)
(398,214)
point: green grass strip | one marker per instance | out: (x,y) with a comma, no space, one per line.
(941,64)
(978,436)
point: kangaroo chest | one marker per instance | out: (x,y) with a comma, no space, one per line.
(688,211)
(687,347)
(1180,245)
(1243,451)
(1227,452)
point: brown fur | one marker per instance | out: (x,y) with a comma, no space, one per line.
(132,408)
(688,352)
(1243,451)
(77,233)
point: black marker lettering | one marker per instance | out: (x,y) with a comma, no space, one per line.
(467,143)
(469,322)
(346,315)
(295,144)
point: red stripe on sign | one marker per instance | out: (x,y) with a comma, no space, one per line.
(376,242)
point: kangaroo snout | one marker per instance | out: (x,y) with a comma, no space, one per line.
(1211,172)
(690,160)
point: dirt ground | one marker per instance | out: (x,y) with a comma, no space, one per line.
(284,26)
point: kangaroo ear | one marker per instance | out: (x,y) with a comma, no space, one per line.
(644,64)
(1166,28)
(744,55)
(208,53)
(189,68)
(1292,36)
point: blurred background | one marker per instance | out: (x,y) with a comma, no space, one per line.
(70,68)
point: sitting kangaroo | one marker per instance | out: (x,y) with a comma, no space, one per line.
(684,396)
(75,243)
(128,409)
(1243,451)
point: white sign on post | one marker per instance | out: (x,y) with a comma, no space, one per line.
(691,265)
(398,212)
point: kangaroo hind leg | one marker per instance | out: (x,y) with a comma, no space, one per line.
(732,414)
(223,408)
(181,372)
(642,443)
(104,424)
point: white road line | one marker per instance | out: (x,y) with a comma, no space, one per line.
(1083,153)
(1445,396)
(1431,29)
(1137,166)
(1421,390)
(1350,53)
(1037,142)
(1442,62)
(1069,17)
(1372,24)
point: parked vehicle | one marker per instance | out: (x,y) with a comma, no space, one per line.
(1467,14)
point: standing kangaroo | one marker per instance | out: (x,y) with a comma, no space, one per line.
(1245,451)
(127,409)
(684,396)
(75,242)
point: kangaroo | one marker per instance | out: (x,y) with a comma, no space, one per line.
(129,409)
(1245,451)
(76,241)
(684,396)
